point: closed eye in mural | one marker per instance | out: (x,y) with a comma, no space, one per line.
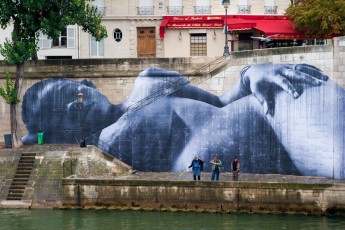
(278,118)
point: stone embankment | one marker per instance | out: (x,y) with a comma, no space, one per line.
(66,176)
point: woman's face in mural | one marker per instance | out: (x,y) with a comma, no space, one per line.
(51,106)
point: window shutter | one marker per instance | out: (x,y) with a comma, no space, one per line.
(44,42)
(70,36)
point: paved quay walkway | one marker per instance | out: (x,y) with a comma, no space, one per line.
(186,176)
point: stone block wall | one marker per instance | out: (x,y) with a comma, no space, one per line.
(204,196)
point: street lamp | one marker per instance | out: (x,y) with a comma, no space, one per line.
(80,106)
(226,4)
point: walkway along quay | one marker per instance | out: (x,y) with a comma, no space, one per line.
(67,176)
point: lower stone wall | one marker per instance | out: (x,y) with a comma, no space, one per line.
(205,196)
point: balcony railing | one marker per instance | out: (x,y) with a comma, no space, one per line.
(245,9)
(145,10)
(101,10)
(202,9)
(271,9)
(175,9)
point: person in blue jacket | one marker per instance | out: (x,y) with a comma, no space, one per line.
(197,166)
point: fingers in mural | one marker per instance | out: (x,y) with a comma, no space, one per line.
(285,84)
(312,71)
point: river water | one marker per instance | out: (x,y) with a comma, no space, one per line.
(105,219)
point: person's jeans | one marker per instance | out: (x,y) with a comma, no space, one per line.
(235,175)
(215,174)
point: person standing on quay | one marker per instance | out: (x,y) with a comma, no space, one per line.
(216,165)
(235,166)
(197,166)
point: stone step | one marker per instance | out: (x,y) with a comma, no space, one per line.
(15,196)
(16,191)
(20,179)
(23,171)
(26,168)
(26,160)
(15,203)
(17,186)
(32,154)
(19,183)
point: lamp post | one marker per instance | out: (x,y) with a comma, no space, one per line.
(226,4)
(80,105)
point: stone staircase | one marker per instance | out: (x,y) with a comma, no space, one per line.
(21,176)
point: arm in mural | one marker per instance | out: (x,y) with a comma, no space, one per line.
(263,80)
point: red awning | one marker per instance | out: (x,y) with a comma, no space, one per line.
(281,29)
(190,22)
(280,26)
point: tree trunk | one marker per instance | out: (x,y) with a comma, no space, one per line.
(15,129)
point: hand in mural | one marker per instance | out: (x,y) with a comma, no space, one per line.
(263,80)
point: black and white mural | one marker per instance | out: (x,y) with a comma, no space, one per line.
(278,118)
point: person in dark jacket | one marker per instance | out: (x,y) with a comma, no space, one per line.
(235,166)
(197,166)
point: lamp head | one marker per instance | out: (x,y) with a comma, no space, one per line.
(226,3)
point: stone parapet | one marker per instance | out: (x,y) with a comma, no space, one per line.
(205,196)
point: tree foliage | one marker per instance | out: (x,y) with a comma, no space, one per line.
(318,17)
(29,17)
(8,91)
(32,17)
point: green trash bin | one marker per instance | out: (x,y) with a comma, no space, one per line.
(40,135)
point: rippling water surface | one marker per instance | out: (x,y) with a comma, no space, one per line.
(105,219)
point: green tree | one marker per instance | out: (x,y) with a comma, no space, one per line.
(318,17)
(32,17)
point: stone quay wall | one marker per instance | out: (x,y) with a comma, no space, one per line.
(44,188)
(205,196)
(115,77)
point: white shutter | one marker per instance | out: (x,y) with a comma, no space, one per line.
(93,46)
(70,36)
(44,42)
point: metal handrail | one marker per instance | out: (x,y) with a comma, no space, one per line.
(68,167)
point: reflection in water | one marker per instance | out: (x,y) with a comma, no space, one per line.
(105,219)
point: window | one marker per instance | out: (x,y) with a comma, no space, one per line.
(175,7)
(100,6)
(202,7)
(62,40)
(117,35)
(270,8)
(65,40)
(243,7)
(198,45)
(145,7)
(97,48)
